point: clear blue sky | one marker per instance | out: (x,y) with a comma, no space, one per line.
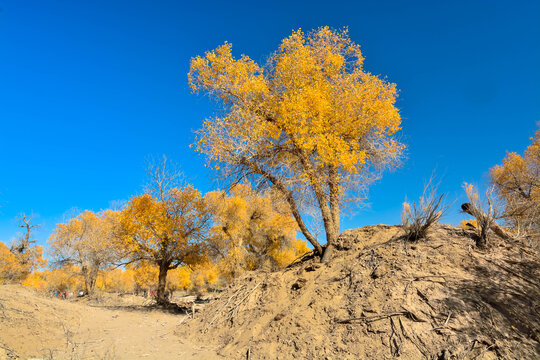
(89,89)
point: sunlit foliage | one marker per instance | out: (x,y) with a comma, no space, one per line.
(87,241)
(15,267)
(66,278)
(203,276)
(36,280)
(179,279)
(116,280)
(471,224)
(312,123)
(166,231)
(146,276)
(251,231)
(517,182)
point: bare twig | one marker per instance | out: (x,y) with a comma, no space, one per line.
(374,318)
(222,308)
(235,308)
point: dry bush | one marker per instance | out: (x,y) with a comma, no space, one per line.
(418,219)
(485,212)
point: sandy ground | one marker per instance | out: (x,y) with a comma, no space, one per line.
(36,327)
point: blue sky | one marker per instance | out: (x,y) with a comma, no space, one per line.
(89,89)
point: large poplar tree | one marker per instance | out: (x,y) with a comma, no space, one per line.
(311,123)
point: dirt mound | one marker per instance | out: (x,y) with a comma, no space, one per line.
(381,298)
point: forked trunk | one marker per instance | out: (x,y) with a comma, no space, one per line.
(331,237)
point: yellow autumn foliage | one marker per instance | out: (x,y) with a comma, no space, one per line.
(116,280)
(15,267)
(469,224)
(204,276)
(179,279)
(312,123)
(37,280)
(517,182)
(146,276)
(67,278)
(251,231)
(88,241)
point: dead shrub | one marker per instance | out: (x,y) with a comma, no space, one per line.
(485,212)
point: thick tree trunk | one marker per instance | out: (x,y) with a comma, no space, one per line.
(92,277)
(162,283)
(84,270)
(332,233)
(333,187)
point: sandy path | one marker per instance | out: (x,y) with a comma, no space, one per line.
(35,327)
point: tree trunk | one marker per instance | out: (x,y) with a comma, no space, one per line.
(327,252)
(482,240)
(92,277)
(290,200)
(84,270)
(333,187)
(482,243)
(332,233)
(162,283)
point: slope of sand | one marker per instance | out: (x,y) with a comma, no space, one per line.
(382,298)
(32,326)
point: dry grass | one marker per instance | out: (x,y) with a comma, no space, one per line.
(418,219)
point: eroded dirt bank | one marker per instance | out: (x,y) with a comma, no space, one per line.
(381,298)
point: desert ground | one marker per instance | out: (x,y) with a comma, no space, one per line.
(33,326)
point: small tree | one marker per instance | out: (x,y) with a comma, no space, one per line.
(485,215)
(517,183)
(24,242)
(312,124)
(166,226)
(88,242)
(21,258)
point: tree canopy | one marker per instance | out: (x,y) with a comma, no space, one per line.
(517,182)
(311,122)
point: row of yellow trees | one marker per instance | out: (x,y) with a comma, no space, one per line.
(177,237)
(169,238)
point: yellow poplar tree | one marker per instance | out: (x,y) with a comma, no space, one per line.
(16,266)
(166,231)
(11,269)
(116,280)
(64,278)
(312,123)
(252,230)
(517,182)
(88,242)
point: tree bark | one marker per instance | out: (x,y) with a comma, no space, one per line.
(162,283)
(92,277)
(290,200)
(84,270)
(333,188)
